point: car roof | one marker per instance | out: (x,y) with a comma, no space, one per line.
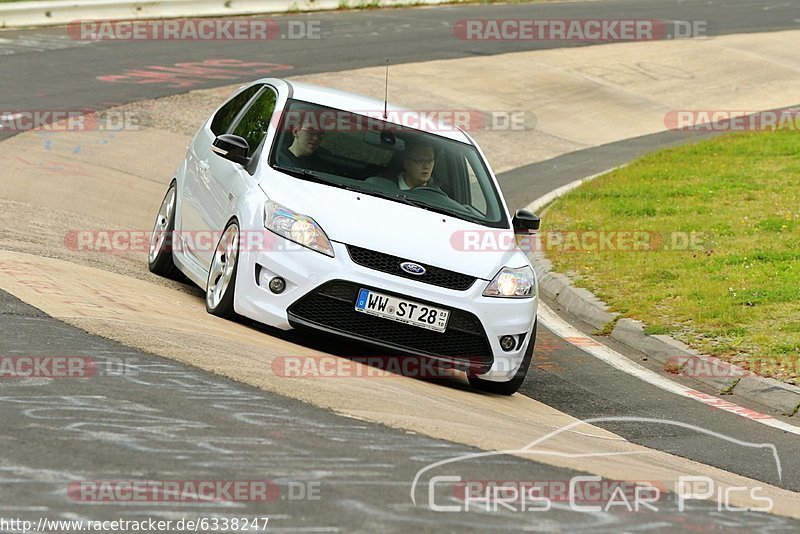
(430,121)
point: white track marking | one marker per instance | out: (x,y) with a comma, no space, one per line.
(616,360)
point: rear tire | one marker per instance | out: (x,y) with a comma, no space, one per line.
(159,255)
(221,285)
(512,386)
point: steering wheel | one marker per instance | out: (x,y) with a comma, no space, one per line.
(429,188)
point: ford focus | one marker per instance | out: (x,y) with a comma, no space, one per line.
(299,206)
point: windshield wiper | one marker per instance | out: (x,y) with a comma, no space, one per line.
(419,204)
(389,196)
(405,200)
(437,209)
(311,176)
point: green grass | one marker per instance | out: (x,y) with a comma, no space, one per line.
(608,327)
(735,295)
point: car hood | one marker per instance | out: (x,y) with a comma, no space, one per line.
(408,232)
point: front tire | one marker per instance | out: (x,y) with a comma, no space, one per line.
(221,285)
(511,386)
(159,256)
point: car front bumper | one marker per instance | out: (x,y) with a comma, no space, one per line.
(317,292)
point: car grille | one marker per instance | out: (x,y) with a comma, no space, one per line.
(332,307)
(391,264)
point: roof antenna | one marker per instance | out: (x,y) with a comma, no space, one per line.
(386,92)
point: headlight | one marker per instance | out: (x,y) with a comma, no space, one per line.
(296,227)
(514,283)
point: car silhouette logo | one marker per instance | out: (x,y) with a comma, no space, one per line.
(412,268)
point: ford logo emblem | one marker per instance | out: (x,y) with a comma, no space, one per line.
(412,268)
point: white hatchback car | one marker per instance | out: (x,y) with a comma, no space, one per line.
(301,206)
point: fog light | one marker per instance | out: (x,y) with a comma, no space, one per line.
(277,285)
(507,343)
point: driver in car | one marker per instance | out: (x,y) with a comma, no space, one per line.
(418,161)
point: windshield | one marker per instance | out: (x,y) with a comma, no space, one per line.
(384,159)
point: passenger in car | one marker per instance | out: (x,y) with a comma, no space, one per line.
(304,150)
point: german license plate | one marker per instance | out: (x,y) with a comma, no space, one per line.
(402,311)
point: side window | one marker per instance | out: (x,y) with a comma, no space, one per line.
(254,123)
(476,193)
(224,117)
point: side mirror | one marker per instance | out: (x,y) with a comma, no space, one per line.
(524,221)
(231,147)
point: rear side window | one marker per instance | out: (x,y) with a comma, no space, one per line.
(255,121)
(224,117)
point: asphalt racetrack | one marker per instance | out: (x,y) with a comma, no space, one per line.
(182,396)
